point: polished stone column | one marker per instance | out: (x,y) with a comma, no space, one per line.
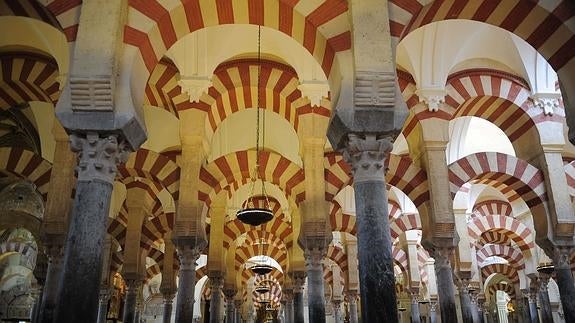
(546,314)
(229,293)
(80,281)
(132,289)
(351,296)
(465,300)
(337,311)
(433,311)
(50,292)
(415,313)
(532,298)
(238,313)
(564,277)
(445,290)
(376,276)
(288,296)
(168,306)
(315,292)
(216,283)
(298,280)
(103,305)
(188,254)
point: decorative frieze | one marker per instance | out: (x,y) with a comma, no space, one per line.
(374,88)
(548,102)
(92,93)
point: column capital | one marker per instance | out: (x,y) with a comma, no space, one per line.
(168,293)
(442,255)
(314,257)
(351,295)
(431,97)
(287,294)
(188,252)
(562,257)
(298,280)
(216,279)
(229,293)
(414,293)
(98,155)
(238,303)
(366,154)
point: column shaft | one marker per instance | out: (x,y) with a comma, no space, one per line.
(564,277)
(103,306)
(415,313)
(50,292)
(315,292)
(168,305)
(445,289)
(352,301)
(217,282)
(465,302)
(533,307)
(130,301)
(188,254)
(546,314)
(298,306)
(337,311)
(433,311)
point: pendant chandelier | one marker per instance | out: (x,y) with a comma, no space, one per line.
(250,212)
(261,267)
(263,287)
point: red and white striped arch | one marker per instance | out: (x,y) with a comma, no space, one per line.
(422,257)
(517,231)
(338,256)
(494,237)
(511,254)
(154,26)
(542,24)
(158,226)
(407,221)
(502,269)
(27,77)
(489,207)
(340,221)
(337,174)
(328,276)
(400,258)
(68,14)
(507,288)
(233,170)
(26,164)
(116,261)
(117,230)
(406,176)
(519,175)
(274,296)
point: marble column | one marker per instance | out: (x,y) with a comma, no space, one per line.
(132,288)
(533,313)
(229,293)
(444,275)
(36,295)
(465,300)
(168,306)
(50,292)
(545,304)
(564,277)
(298,280)
(367,155)
(103,305)
(188,254)
(238,313)
(433,311)
(216,283)
(415,313)
(80,280)
(288,296)
(337,311)
(351,296)
(315,291)
(474,295)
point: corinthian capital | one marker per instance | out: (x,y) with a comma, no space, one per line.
(367,155)
(98,156)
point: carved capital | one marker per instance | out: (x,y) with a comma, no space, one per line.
(229,293)
(548,102)
(298,279)
(98,156)
(433,306)
(431,97)
(188,255)
(367,155)
(91,93)
(287,294)
(314,257)
(414,293)
(168,293)
(216,280)
(374,88)
(442,256)
(315,91)
(194,86)
(562,257)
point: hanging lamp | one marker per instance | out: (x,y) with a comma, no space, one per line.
(251,213)
(261,267)
(263,287)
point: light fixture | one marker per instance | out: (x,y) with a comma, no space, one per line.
(261,267)
(250,213)
(262,288)
(546,268)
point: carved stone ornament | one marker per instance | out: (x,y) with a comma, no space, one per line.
(562,257)
(314,257)
(367,155)
(298,280)
(194,86)
(188,255)
(374,88)
(314,91)
(442,256)
(432,98)
(98,156)
(548,102)
(91,93)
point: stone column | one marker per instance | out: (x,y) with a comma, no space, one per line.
(238,307)
(561,261)
(103,305)
(444,275)
(229,293)
(532,298)
(546,314)
(464,299)
(216,282)
(376,277)
(50,292)
(168,305)
(315,292)
(36,295)
(132,288)
(474,295)
(80,281)
(288,296)
(433,311)
(188,254)
(337,311)
(351,296)
(415,313)
(298,280)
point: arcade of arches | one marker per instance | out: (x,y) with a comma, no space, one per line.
(416,155)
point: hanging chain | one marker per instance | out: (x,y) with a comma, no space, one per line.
(258,101)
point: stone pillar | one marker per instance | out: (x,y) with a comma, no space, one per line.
(230,308)
(532,298)
(315,291)
(337,311)
(376,276)
(216,283)
(188,254)
(288,296)
(444,275)
(132,288)
(464,299)
(351,296)
(53,273)
(433,311)
(564,277)
(168,305)
(298,279)
(415,313)
(103,305)
(546,313)
(474,295)
(36,295)
(238,313)
(480,304)
(80,281)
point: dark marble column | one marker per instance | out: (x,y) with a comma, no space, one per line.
(188,253)
(132,287)
(351,296)
(532,298)
(433,311)
(465,300)
(415,313)
(376,276)
(315,292)
(298,279)
(444,275)
(216,283)
(238,313)
(564,277)
(288,296)
(53,272)
(229,293)
(168,306)
(80,280)
(103,305)
(546,314)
